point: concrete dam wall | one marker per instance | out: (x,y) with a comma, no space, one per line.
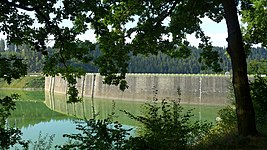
(195,89)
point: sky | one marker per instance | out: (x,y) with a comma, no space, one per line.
(216,31)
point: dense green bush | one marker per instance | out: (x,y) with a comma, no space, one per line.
(259,97)
(221,135)
(227,119)
(166,126)
(224,134)
(258,89)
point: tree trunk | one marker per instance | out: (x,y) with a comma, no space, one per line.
(244,107)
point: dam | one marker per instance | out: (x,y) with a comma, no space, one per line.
(195,89)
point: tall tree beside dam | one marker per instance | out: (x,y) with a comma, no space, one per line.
(185,18)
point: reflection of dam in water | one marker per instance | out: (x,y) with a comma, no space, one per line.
(87,108)
(196,89)
(104,107)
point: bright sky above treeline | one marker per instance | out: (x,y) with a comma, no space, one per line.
(216,31)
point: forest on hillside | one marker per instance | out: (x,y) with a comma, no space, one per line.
(160,63)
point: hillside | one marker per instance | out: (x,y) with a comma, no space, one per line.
(160,63)
(36,82)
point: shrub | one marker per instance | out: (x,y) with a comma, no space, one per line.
(228,119)
(166,126)
(43,142)
(224,134)
(259,97)
(98,135)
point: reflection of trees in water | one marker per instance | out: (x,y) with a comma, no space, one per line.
(29,113)
(30,109)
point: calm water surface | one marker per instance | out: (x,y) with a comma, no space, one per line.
(49,114)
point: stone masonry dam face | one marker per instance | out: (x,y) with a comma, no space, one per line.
(195,89)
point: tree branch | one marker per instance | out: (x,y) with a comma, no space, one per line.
(49,24)
(167,13)
(18,6)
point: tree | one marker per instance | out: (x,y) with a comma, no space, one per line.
(257,67)
(254,15)
(150,35)
(185,18)
(19,28)
(244,107)
(2,45)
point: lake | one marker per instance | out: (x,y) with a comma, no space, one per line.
(48,114)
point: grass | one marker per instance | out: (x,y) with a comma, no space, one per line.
(36,82)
